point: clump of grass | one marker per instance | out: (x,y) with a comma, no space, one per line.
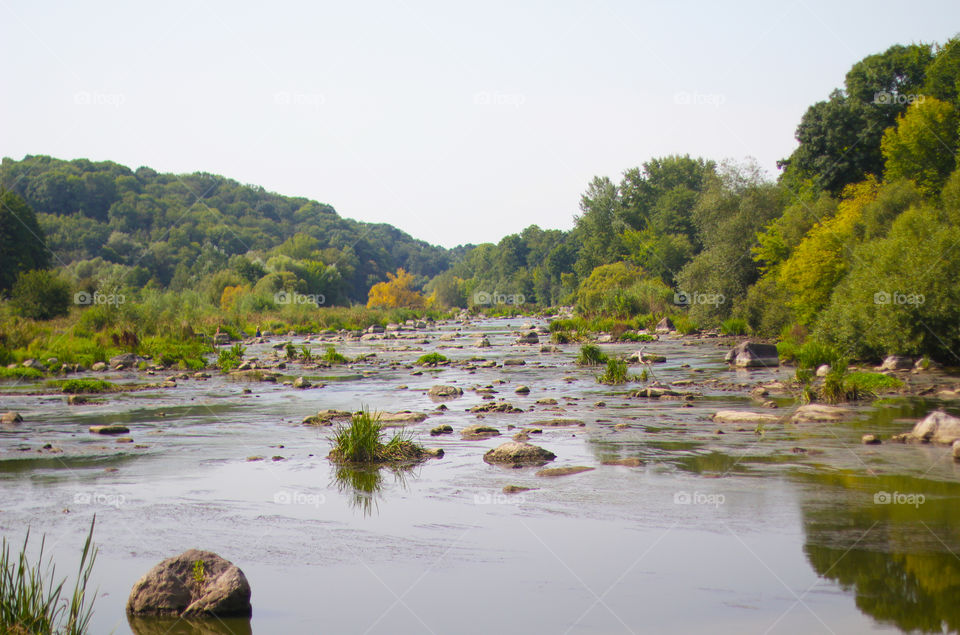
(873,382)
(32,601)
(229,358)
(560,337)
(591,355)
(840,385)
(684,325)
(305,353)
(631,336)
(362,442)
(333,357)
(616,373)
(291,351)
(20,372)
(84,386)
(187,355)
(431,359)
(811,354)
(734,326)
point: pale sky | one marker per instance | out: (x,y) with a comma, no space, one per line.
(455,122)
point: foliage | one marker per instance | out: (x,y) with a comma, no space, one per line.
(20,372)
(333,357)
(85,386)
(22,246)
(40,295)
(31,599)
(591,355)
(734,326)
(396,292)
(616,372)
(923,145)
(229,358)
(431,359)
(362,442)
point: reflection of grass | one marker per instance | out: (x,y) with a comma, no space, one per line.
(362,484)
(30,599)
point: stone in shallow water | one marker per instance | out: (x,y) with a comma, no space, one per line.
(565,471)
(110,429)
(478,431)
(518,455)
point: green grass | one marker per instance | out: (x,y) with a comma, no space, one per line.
(168,352)
(873,382)
(431,359)
(20,372)
(333,357)
(684,325)
(229,358)
(361,441)
(840,385)
(560,337)
(734,326)
(591,355)
(630,336)
(83,386)
(810,354)
(616,373)
(33,601)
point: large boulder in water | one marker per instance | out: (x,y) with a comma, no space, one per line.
(753,355)
(937,427)
(179,587)
(518,455)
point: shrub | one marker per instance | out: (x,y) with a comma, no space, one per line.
(560,337)
(362,442)
(431,359)
(617,372)
(40,295)
(20,373)
(333,357)
(734,326)
(84,386)
(591,355)
(229,358)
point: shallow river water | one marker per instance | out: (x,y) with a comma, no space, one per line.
(789,529)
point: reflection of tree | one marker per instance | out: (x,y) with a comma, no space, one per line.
(363,484)
(890,555)
(175,626)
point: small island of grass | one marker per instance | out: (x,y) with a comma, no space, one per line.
(361,442)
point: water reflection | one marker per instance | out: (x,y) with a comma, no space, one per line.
(893,542)
(177,626)
(363,485)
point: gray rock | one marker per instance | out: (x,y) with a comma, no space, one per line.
(956,450)
(665,326)
(522,390)
(530,337)
(518,454)
(301,382)
(870,439)
(170,588)
(823,370)
(99,367)
(32,363)
(483,342)
(897,362)
(937,427)
(819,413)
(110,429)
(441,429)
(125,360)
(478,432)
(445,392)
(753,355)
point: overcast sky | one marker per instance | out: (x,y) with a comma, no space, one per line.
(456,123)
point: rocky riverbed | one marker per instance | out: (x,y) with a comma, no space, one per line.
(706,490)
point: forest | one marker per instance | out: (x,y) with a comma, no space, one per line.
(855,244)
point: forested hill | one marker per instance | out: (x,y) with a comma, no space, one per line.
(171,230)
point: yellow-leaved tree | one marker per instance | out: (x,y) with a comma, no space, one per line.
(396,292)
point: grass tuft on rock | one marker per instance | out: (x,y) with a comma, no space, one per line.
(362,442)
(431,359)
(591,355)
(333,357)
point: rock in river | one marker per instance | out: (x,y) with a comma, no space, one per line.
(11,417)
(564,471)
(818,413)
(477,432)
(445,392)
(110,429)
(936,427)
(518,455)
(171,588)
(743,416)
(753,355)
(897,362)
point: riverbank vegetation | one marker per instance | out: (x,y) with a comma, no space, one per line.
(853,246)
(363,442)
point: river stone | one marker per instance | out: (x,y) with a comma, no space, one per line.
(743,416)
(301,382)
(546,402)
(327,417)
(441,429)
(404,417)
(499,406)
(11,417)
(445,392)
(478,431)
(530,337)
(522,390)
(627,462)
(98,367)
(956,450)
(606,338)
(124,360)
(517,489)
(110,429)
(77,400)
(169,588)
(753,355)
(897,362)
(483,342)
(937,427)
(665,326)
(870,439)
(822,370)
(564,471)
(819,413)
(518,455)
(558,423)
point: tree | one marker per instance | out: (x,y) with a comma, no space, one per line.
(40,295)
(22,245)
(396,292)
(943,73)
(599,226)
(923,145)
